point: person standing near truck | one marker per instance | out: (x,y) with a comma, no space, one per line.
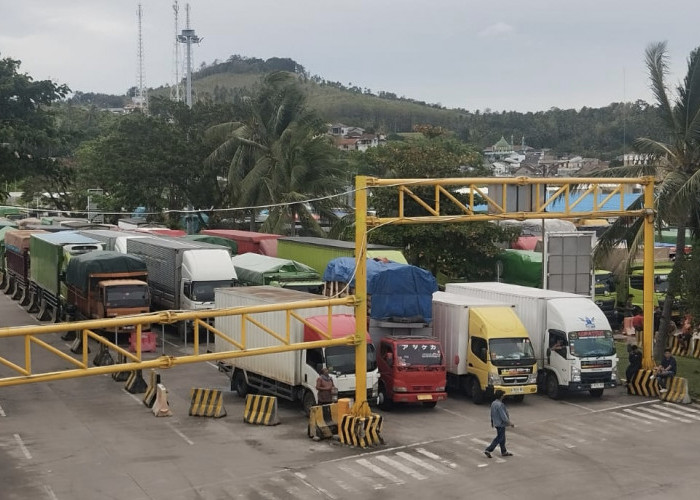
(500,420)
(324,386)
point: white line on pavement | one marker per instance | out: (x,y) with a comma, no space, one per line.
(50,492)
(644,415)
(22,447)
(179,433)
(677,411)
(318,489)
(418,461)
(379,471)
(2,412)
(668,415)
(403,468)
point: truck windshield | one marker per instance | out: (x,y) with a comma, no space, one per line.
(604,283)
(508,352)
(591,343)
(418,354)
(127,296)
(340,359)
(203,291)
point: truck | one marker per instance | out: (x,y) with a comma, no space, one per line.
(584,359)
(17,262)
(635,290)
(50,254)
(254,269)
(605,295)
(106,284)
(248,241)
(111,237)
(290,375)
(318,252)
(183,274)
(487,347)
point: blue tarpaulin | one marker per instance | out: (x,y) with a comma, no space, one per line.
(396,290)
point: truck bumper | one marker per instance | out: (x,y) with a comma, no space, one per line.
(513,390)
(584,386)
(371,395)
(422,397)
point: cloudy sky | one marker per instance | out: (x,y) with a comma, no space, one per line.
(524,55)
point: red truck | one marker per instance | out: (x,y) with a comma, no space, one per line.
(411,370)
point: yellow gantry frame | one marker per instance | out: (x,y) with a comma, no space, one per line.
(601,189)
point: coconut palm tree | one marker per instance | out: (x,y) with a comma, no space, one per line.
(280,157)
(675,163)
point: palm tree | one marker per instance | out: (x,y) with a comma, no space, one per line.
(280,157)
(675,165)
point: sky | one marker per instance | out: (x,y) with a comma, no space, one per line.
(520,55)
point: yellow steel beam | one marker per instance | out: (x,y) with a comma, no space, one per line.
(648,293)
(360,407)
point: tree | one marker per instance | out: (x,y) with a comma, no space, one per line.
(280,157)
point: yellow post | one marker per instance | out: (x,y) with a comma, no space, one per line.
(648,342)
(361,292)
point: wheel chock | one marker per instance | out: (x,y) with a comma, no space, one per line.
(260,410)
(160,407)
(135,384)
(150,397)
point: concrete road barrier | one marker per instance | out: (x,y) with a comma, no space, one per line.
(207,403)
(261,410)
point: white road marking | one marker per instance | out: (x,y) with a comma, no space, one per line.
(578,406)
(456,414)
(644,415)
(2,412)
(212,365)
(485,444)
(686,408)
(379,471)
(403,468)
(636,419)
(50,492)
(418,461)
(302,478)
(677,411)
(668,415)
(133,396)
(22,447)
(292,490)
(352,472)
(438,458)
(568,430)
(179,433)
(343,485)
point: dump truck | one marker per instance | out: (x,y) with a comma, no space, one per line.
(50,254)
(635,290)
(17,263)
(571,336)
(254,269)
(183,274)
(318,252)
(248,241)
(292,374)
(487,347)
(106,284)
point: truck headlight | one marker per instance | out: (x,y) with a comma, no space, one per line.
(532,378)
(613,376)
(575,374)
(494,379)
(400,389)
(440,389)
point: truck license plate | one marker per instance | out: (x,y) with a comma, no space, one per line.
(599,385)
(424,397)
(516,390)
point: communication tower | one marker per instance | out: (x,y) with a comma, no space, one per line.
(175,90)
(140,100)
(188,37)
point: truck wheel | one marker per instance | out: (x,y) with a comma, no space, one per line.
(477,393)
(553,390)
(429,404)
(385,402)
(239,384)
(518,398)
(307,401)
(596,393)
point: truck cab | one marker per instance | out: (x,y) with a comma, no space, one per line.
(411,370)
(606,295)
(662,270)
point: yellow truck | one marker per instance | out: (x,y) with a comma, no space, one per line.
(486,347)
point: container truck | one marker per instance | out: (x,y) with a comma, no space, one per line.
(487,347)
(183,274)
(411,370)
(50,254)
(254,269)
(318,252)
(290,375)
(106,285)
(17,263)
(248,241)
(110,237)
(586,360)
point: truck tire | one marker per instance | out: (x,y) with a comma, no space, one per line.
(429,404)
(596,393)
(553,390)
(477,393)
(307,401)
(239,384)
(385,402)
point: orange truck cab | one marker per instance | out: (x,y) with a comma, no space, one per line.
(411,370)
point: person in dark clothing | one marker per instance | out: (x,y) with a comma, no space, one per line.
(500,420)
(635,358)
(657,318)
(324,387)
(667,369)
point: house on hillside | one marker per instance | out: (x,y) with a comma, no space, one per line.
(349,138)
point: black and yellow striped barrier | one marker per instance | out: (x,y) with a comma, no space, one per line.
(677,391)
(151,391)
(261,410)
(323,421)
(677,348)
(361,431)
(642,384)
(207,403)
(135,384)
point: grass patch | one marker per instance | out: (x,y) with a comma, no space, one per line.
(687,367)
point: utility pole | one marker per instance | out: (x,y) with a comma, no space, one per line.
(188,37)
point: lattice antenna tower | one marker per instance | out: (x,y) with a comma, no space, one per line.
(175,90)
(140,100)
(188,37)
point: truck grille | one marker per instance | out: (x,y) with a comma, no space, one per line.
(515,380)
(589,378)
(422,388)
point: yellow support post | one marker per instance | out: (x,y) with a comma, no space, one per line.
(648,342)
(361,292)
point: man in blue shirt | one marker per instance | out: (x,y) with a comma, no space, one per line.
(667,369)
(500,420)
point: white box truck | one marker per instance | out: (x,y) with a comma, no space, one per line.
(486,347)
(290,375)
(572,338)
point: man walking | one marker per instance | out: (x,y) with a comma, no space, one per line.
(500,420)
